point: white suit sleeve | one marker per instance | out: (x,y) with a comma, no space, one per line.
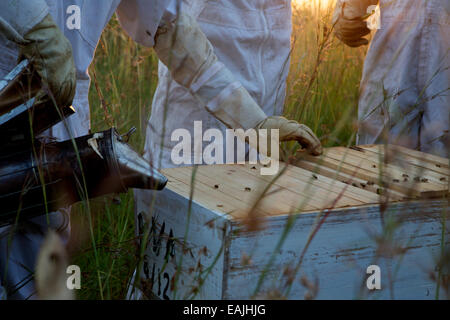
(17,17)
(182,46)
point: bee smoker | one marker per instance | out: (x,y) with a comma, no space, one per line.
(38,177)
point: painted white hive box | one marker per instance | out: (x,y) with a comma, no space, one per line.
(310,232)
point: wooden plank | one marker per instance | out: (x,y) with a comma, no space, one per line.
(205,196)
(245,186)
(277,200)
(300,181)
(437,161)
(331,184)
(232,191)
(371,174)
(401,157)
(355,182)
(311,193)
(395,172)
(401,163)
(391,173)
(368,176)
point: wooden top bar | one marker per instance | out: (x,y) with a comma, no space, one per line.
(341,177)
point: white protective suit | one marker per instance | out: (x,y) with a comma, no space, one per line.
(405,88)
(252,39)
(17,260)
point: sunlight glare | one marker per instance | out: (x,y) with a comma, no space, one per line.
(314,3)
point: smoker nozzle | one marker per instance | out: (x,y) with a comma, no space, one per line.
(134,171)
(112,166)
(46,177)
(35,177)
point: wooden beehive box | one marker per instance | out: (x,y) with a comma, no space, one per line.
(310,232)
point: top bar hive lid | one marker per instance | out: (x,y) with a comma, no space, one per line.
(341,177)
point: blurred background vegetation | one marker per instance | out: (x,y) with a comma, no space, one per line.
(322,92)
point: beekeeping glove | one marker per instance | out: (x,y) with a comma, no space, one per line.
(292,130)
(349,21)
(51,55)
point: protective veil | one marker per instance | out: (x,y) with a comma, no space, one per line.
(17,17)
(404,92)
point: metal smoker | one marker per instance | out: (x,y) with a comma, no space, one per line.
(38,177)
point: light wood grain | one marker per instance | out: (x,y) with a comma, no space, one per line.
(355,182)
(341,177)
(431,158)
(392,170)
(392,177)
(398,155)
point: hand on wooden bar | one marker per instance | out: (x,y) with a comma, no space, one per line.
(291,130)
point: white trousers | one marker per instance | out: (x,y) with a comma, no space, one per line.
(405,95)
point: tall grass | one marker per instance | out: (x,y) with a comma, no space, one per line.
(322,86)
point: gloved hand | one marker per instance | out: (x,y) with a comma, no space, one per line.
(51,55)
(292,130)
(349,21)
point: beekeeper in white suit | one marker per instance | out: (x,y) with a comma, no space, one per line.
(404,91)
(28,26)
(252,39)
